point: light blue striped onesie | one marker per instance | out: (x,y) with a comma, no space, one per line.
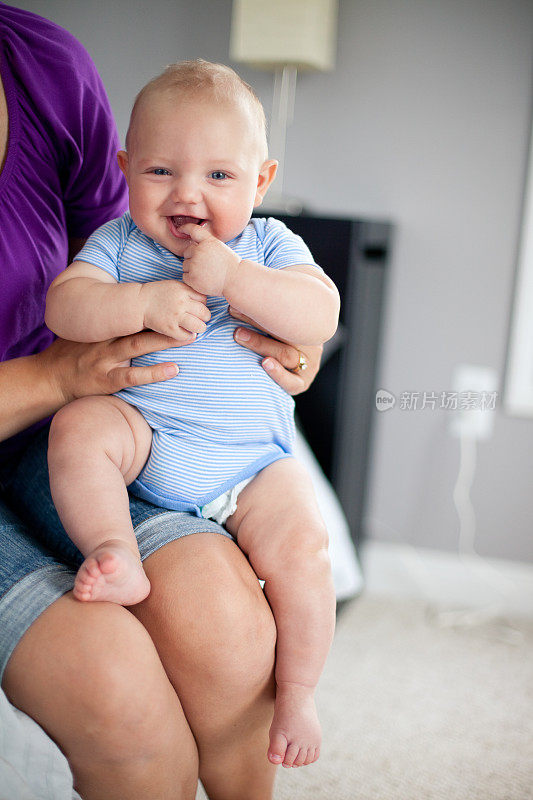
(221,419)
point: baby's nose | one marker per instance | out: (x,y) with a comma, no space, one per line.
(186,190)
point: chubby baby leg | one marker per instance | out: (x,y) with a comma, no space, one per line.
(97,446)
(279,527)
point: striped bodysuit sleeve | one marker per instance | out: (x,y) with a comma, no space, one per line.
(103,248)
(283,248)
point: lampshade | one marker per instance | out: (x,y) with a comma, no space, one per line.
(270,33)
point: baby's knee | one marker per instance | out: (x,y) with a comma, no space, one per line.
(65,437)
(79,428)
(65,419)
(296,544)
(76,420)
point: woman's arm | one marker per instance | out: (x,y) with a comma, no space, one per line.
(33,387)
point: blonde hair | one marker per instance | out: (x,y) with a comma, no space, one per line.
(196,77)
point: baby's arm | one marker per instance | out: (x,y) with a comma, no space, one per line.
(296,304)
(86,304)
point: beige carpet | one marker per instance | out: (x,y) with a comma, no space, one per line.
(415,711)
(412,710)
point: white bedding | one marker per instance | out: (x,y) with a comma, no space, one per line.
(33,768)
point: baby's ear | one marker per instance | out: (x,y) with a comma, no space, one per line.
(267,173)
(123,162)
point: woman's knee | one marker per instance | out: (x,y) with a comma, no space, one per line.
(247,636)
(209,613)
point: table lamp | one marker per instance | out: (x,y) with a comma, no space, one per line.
(284,36)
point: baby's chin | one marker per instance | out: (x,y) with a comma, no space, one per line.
(176,246)
(173,244)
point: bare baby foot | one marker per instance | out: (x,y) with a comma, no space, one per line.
(295,733)
(114,573)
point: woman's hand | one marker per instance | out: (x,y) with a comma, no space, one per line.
(280,359)
(104,367)
(34,387)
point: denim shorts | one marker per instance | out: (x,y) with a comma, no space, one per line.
(38,562)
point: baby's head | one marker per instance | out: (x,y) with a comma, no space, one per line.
(196,151)
(203,81)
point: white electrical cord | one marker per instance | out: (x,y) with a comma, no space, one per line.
(466,549)
(501,586)
(461,495)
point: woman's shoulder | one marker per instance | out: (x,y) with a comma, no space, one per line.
(43,55)
(34,34)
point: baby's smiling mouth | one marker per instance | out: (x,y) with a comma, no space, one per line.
(178,221)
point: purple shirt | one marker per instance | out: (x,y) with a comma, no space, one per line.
(60,177)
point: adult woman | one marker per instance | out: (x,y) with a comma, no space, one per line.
(141,701)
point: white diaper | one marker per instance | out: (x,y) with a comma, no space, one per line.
(225,504)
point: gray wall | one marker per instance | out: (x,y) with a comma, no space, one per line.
(425,122)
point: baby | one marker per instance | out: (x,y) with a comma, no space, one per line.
(217,439)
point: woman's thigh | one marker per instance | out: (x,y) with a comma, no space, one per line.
(89,674)
(75,651)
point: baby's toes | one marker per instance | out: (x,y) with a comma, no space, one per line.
(312,755)
(83,580)
(301,758)
(90,570)
(277,749)
(290,755)
(107,563)
(81,590)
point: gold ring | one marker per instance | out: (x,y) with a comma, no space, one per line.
(301,365)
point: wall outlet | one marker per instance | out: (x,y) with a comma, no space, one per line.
(477,394)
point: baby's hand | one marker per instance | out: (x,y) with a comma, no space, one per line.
(209,265)
(174,309)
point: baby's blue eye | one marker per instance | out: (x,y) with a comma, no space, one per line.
(218,176)
(160,171)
